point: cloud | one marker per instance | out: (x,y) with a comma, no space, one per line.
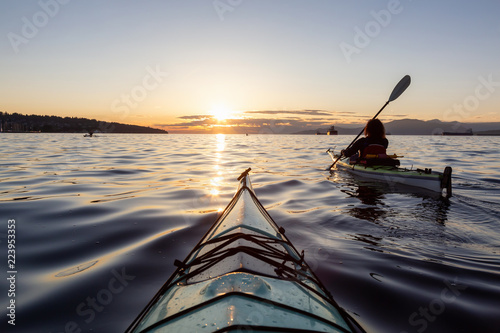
(261,121)
(247,125)
(201,116)
(297,112)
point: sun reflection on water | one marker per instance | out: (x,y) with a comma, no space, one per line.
(221,142)
(216,182)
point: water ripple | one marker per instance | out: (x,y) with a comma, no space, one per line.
(88,211)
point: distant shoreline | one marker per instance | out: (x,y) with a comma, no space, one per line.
(19,123)
(82,133)
(243,134)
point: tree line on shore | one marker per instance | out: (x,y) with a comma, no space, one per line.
(15,122)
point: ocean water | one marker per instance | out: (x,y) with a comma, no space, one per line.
(99,221)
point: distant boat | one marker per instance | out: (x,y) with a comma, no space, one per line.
(466,133)
(332,131)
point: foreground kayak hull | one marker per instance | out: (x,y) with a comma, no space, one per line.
(425,179)
(244,275)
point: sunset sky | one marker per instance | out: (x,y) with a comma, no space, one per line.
(196,65)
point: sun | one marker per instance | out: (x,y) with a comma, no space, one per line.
(221,112)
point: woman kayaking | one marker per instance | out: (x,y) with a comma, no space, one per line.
(374,143)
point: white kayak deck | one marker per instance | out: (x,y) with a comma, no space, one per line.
(430,180)
(244,275)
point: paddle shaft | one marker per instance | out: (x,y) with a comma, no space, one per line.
(338,158)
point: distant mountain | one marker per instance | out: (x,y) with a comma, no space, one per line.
(420,127)
(16,122)
(433,127)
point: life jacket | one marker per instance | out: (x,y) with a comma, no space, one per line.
(375,149)
(375,154)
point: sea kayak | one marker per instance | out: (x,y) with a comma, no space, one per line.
(422,178)
(244,275)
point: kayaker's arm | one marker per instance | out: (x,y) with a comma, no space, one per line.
(354,148)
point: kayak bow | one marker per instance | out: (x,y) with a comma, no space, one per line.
(244,274)
(427,179)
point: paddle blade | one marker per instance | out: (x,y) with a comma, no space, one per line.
(400,87)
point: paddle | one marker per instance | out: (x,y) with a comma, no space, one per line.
(398,90)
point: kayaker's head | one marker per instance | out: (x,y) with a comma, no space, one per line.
(375,129)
